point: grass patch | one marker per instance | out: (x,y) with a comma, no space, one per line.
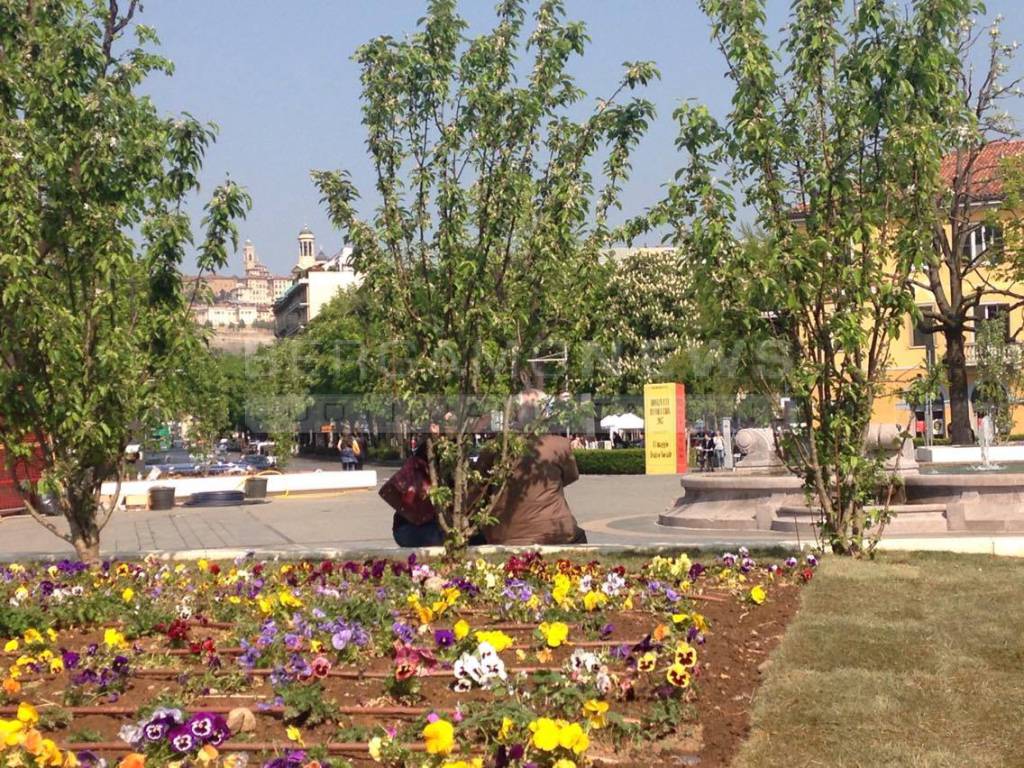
(916,661)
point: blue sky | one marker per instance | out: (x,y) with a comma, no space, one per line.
(278,79)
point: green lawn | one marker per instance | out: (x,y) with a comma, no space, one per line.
(913,661)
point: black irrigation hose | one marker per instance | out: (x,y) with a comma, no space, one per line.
(216,499)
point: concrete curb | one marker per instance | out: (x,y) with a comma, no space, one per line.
(1003,546)
(362,553)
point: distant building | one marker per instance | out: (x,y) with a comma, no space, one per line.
(226,300)
(317,280)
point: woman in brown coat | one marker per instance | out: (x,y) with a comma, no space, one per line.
(532,508)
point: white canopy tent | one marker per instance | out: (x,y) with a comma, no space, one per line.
(622,421)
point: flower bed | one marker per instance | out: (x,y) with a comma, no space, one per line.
(525,662)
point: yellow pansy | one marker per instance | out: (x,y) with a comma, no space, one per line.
(47,754)
(594,600)
(545,734)
(56,665)
(294,734)
(561,585)
(113,639)
(32,637)
(507,724)
(678,675)
(373,747)
(27,714)
(596,712)
(439,737)
(207,755)
(127,594)
(647,662)
(11,646)
(288,600)
(423,613)
(9,730)
(572,736)
(497,639)
(686,654)
(461,629)
(476,762)
(203,565)
(265,605)
(555,633)
(51,634)
(757,594)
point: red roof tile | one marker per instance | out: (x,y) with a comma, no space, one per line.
(985,183)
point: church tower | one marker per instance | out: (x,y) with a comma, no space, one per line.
(307,249)
(249,258)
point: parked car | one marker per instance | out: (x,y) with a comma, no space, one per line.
(176,461)
(257,463)
(221,467)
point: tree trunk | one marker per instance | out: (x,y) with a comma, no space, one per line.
(87,549)
(81,512)
(955,361)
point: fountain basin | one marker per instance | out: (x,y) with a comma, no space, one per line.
(982,502)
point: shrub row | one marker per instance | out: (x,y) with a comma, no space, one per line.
(618,461)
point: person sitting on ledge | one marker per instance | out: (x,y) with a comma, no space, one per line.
(532,508)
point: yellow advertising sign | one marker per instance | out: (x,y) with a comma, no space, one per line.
(665,446)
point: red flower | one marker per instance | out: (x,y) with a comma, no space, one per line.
(806,574)
(215,569)
(321,666)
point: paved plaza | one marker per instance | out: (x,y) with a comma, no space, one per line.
(614,510)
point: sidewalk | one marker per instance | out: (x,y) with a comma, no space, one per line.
(616,511)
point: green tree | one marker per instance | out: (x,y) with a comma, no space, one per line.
(834,140)
(95,332)
(233,375)
(646,314)
(477,258)
(968,242)
(278,394)
(1000,376)
(335,346)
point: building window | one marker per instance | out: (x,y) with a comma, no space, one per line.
(986,240)
(989,312)
(920,337)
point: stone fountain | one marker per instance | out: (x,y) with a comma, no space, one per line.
(762,495)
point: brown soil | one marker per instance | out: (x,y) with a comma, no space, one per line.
(739,642)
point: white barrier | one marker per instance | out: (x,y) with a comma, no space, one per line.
(970,454)
(296,482)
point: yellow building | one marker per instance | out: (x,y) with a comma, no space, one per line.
(981,198)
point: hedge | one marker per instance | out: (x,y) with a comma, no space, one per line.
(617,461)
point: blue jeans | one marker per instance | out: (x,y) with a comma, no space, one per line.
(409,535)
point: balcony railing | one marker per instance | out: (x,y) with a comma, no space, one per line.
(1014,354)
